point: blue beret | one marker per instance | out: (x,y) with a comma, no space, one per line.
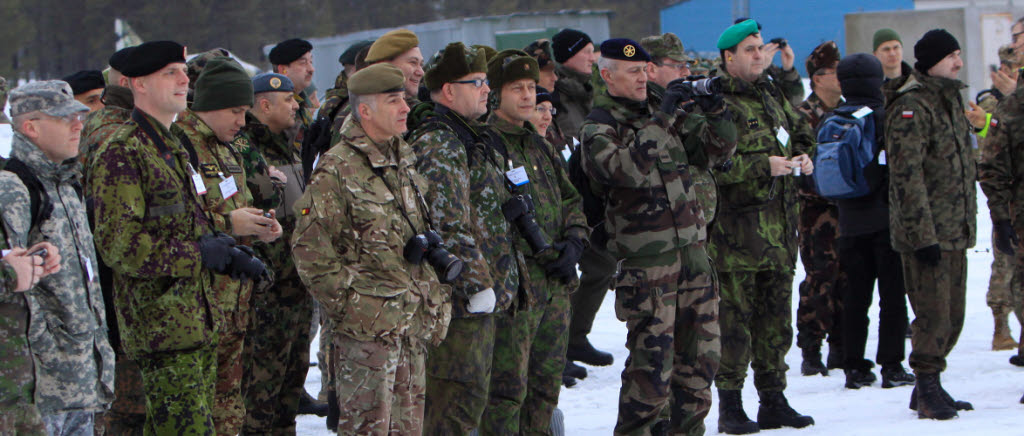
(736,33)
(272,82)
(624,49)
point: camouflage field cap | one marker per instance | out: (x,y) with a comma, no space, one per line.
(665,46)
(3,101)
(51,97)
(198,62)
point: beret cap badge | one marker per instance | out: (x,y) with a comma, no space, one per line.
(275,83)
(629,50)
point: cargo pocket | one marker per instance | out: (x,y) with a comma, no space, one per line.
(375,312)
(634,299)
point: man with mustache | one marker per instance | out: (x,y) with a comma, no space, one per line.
(294,58)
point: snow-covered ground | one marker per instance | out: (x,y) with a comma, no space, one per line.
(975,373)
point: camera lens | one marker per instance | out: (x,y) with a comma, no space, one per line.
(447,266)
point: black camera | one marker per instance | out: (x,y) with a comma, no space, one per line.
(700,85)
(519,211)
(428,245)
(780,41)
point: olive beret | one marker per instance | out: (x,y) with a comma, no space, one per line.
(452,63)
(152,56)
(392,44)
(85,81)
(624,49)
(348,57)
(379,78)
(511,65)
(286,52)
(736,33)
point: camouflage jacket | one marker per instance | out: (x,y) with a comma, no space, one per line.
(336,96)
(757,220)
(1002,159)
(643,163)
(788,81)
(148,224)
(932,170)
(465,193)
(359,210)
(101,124)
(303,118)
(575,97)
(215,161)
(67,328)
(814,110)
(559,207)
(260,148)
(17,379)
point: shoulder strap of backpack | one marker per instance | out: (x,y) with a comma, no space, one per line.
(40,206)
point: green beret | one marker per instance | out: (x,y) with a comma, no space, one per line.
(392,44)
(380,78)
(453,63)
(348,57)
(736,33)
(222,84)
(511,65)
(883,36)
(667,46)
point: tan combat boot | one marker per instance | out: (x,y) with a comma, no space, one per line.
(1001,338)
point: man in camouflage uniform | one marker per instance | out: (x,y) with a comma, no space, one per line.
(277,343)
(929,151)
(152,231)
(196,66)
(67,329)
(294,58)
(362,206)
(574,52)
(754,240)
(638,156)
(531,338)
(223,94)
(818,313)
(461,159)
(336,98)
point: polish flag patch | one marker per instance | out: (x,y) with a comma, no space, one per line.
(993,123)
(908,114)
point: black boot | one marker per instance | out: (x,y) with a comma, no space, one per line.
(858,378)
(895,375)
(776,413)
(568,381)
(333,411)
(1017,360)
(310,406)
(812,361)
(573,370)
(955,404)
(731,417)
(835,357)
(930,402)
(586,353)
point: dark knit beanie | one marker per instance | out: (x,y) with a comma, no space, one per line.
(860,75)
(222,84)
(935,45)
(567,43)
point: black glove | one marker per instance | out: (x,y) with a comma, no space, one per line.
(1004,238)
(564,267)
(678,91)
(245,265)
(710,104)
(928,255)
(216,251)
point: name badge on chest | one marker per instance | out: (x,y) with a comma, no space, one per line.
(228,188)
(517,176)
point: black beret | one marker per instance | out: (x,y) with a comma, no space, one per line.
(119,57)
(286,52)
(624,49)
(150,57)
(85,81)
(349,56)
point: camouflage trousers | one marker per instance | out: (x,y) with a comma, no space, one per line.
(526,372)
(820,308)
(1004,286)
(229,399)
(458,377)
(757,328)
(75,423)
(670,306)
(381,387)
(127,414)
(324,352)
(21,419)
(179,389)
(276,359)
(937,294)
(597,268)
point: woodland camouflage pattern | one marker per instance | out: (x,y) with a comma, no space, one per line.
(575,97)
(100,125)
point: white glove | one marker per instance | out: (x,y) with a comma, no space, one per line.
(481,302)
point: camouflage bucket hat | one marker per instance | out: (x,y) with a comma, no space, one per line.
(51,97)
(3,101)
(666,46)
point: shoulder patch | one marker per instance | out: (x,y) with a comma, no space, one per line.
(907,114)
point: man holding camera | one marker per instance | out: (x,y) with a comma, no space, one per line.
(754,241)
(361,246)
(642,157)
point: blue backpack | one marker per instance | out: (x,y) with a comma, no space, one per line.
(845,146)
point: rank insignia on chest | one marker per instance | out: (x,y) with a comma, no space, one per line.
(752,123)
(209,170)
(907,114)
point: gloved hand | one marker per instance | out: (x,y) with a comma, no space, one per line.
(245,265)
(481,302)
(929,255)
(216,251)
(1003,237)
(710,104)
(678,91)
(564,267)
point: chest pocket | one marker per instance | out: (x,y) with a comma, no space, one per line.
(165,203)
(373,214)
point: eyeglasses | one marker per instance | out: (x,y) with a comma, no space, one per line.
(543,109)
(477,83)
(679,67)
